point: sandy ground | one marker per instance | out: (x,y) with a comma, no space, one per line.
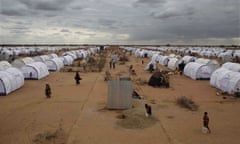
(77,114)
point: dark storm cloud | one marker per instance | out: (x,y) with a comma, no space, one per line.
(149,2)
(49,5)
(131,20)
(12,8)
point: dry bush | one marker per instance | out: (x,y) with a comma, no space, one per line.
(187,103)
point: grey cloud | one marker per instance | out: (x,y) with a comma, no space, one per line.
(65,31)
(107,22)
(83,33)
(17,31)
(49,5)
(151,20)
(170,13)
(8,8)
(150,2)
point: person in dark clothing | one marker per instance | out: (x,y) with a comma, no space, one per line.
(48,91)
(148,110)
(110,64)
(77,78)
(206,121)
(114,63)
(151,68)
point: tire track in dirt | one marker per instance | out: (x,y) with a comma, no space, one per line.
(82,108)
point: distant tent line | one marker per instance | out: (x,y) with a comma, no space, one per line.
(226,77)
(34,68)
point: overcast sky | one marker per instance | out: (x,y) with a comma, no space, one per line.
(120,21)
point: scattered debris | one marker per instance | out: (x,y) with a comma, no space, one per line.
(57,137)
(136,119)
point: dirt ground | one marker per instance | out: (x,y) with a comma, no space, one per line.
(78,114)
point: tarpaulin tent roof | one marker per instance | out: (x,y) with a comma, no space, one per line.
(198,71)
(164,60)
(18,63)
(4,65)
(188,59)
(173,63)
(232,66)
(41,58)
(226,80)
(54,64)
(67,60)
(10,80)
(36,70)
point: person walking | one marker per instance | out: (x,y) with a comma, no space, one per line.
(77,78)
(48,91)
(148,110)
(110,63)
(206,121)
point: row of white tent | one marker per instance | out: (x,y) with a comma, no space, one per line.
(226,77)
(12,75)
(224,54)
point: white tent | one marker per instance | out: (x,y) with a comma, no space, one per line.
(54,64)
(10,80)
(67,60)
(188,59)
(225,56)
(4,65)
(164,60)
(41,58)
(70,54)
(198,71)
(232,66)
(226,80)
(173,63)
(53,55)
(36,70)
(18,76)
(148,65)
(18,63)
(213,64)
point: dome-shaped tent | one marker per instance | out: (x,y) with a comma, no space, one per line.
(36,70)
(173,63)
(41,58)
(212,64)
(164,60)
(70,54)
(198,71)
(10,80)
(232,66)
(53,55)
(4,65)
(188,59)
(54,64)
(18,63)
(18,76)
(226,80)
(67,60)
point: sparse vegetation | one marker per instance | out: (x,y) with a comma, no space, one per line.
(187,103)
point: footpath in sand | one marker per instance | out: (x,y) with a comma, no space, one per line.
(77,114)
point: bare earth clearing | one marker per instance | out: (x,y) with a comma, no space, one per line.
(77,114)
